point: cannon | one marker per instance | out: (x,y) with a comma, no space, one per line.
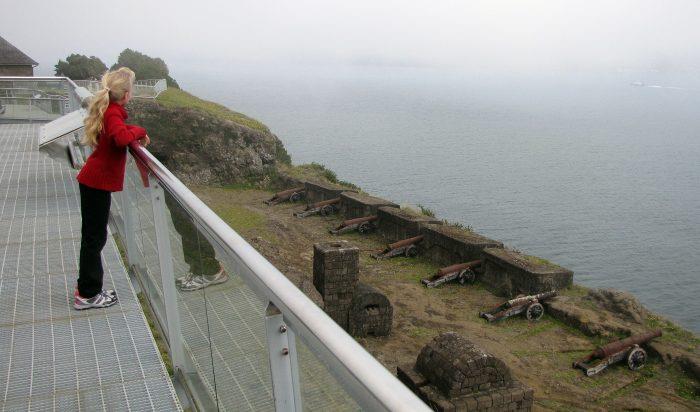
(405,247)
(293,195)
(613,352)
(323,208)
(461,272)
(361,224)
(530,305)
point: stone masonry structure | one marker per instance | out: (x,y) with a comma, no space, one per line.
(336,268)
(370,313)
(453,374)
(508,273)
(396,224)
(360,204)
(447,245)
(317,191)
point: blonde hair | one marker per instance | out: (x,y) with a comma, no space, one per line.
(115,85)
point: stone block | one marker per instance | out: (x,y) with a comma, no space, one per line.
(447,245)
(370,312)
(359,204)
(509,273)
(397,224)
(335,276)
(455,366)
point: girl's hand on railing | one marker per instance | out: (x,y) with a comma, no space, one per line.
(145,141)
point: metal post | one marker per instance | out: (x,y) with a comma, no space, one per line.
(281,347)
(165,258)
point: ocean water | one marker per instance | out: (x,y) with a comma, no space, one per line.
(588,170)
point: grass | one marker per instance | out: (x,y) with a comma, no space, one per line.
(312,171)
(458,225)
(175,98)
(160,343)
(426,211)
(421,332)
(684,386)
(239,218)
(671,332)
(645,375)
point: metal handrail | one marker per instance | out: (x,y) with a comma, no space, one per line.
(371,384)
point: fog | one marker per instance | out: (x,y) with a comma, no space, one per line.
(489,35)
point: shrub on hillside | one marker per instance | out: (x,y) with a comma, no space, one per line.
(80,67)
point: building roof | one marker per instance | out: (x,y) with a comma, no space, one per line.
(11,55)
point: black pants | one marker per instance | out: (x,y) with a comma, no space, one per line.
(197,251)
(94,207)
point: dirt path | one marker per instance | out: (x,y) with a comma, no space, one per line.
(540,354)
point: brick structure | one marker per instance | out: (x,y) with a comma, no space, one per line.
(509,273)
(447,245)
(13,62)
(370,312)
(336,268)
(397,224)
(360,204)
(453,374)
(319,191)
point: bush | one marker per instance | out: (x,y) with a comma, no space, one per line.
(80,67)
(145,67)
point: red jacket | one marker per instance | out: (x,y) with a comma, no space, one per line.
(104,169)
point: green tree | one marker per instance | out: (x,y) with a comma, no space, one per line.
(144,66)
(80,67)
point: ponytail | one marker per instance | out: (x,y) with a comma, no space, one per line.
(115,85)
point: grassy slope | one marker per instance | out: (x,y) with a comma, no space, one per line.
(180,98)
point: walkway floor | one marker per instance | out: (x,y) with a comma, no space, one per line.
(51,356)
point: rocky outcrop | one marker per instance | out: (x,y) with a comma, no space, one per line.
(200,148)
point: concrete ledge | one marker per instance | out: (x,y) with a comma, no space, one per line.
(359,204)
(447,245)
(508,273)
(319,191)
(396,224)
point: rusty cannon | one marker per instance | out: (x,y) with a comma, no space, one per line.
(530,305)
(613,352)
(461,272)
(405,247)
(323,208)
(293,195)
(363,225)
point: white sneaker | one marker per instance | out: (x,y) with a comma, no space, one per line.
(201,281)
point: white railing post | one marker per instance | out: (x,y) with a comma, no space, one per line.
(165,259)
(284,369)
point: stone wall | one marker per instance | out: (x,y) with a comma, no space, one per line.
(447,245)
(317,191)
(509,273)
(396,224)
(335,273)
(453,374)
(360,204)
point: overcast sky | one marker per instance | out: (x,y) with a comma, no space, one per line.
(517,35)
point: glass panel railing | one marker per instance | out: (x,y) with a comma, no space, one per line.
(191,263)
(320,389)
(36,99)
(237,330)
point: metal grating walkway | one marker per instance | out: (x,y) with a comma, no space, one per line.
(51,356)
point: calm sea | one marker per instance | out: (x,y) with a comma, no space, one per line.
(584,169)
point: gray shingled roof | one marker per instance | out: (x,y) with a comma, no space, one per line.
(11,55)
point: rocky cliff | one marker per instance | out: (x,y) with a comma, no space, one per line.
(207,149)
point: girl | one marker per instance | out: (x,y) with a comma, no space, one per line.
(102,174)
